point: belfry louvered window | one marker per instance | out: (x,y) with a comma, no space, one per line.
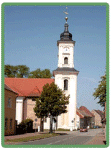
(65,60)
(65,84)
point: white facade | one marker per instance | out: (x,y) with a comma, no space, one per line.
(19,109)
(67,50)
(47,123)
(77,121)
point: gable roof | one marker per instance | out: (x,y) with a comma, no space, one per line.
(84,111)
(35,92)
(78,112)
(101,113)
(8,88)
(27,86)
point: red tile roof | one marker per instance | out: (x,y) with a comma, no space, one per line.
(85,112)
(78,112)
(8,88)
(27,86)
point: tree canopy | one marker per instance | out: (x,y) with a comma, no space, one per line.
(22,71)
(52,101)
(100,91)
(18,71)
(40,73)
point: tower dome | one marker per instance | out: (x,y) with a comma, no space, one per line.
(66,36)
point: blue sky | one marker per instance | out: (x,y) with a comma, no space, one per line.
(31,34)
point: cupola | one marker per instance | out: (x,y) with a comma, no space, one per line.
(66,36)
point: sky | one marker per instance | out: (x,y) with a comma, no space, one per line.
(31,34)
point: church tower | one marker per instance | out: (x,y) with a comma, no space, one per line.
(66,77)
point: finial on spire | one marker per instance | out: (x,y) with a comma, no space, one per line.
(66,18)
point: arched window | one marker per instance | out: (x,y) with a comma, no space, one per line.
(65,84)
(65,60)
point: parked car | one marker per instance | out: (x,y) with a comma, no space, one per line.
(84,129)
(96,126)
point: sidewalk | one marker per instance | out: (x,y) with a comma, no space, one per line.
(98,139)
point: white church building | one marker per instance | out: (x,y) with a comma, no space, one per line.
(66,78)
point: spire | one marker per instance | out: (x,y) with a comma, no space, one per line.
(66,24)
(66,36)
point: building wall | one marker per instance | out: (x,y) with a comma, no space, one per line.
(19,109)
(69,54)
(82,122)
(47,123)
(72,91)
(93,122)
(65,118)
(25,109)
(86,121)
(10,112)
(97,118)
(30,112)
(66,50)
(77,121)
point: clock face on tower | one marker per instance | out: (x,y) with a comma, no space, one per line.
(66,50)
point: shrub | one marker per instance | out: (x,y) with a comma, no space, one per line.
(25,126)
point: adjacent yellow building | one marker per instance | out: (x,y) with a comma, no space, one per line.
(99,115)
(10,110)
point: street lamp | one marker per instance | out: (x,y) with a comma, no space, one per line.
(74,123)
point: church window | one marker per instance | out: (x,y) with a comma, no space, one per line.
(65,84)
(65,60)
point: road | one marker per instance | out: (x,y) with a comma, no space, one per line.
(67,138)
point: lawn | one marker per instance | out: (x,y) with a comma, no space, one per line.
(32,138)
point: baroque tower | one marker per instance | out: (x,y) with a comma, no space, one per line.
(66,77)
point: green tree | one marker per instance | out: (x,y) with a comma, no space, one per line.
(100,92)
(19,71)
(23,71)
(40,73)
(10,71)
(46,73)
(52,102)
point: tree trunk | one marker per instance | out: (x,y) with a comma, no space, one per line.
(41,125)
(51,130)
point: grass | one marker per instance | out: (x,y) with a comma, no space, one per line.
(32,138)
(61,129)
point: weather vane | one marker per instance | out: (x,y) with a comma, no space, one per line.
(66,18)
(66,11)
